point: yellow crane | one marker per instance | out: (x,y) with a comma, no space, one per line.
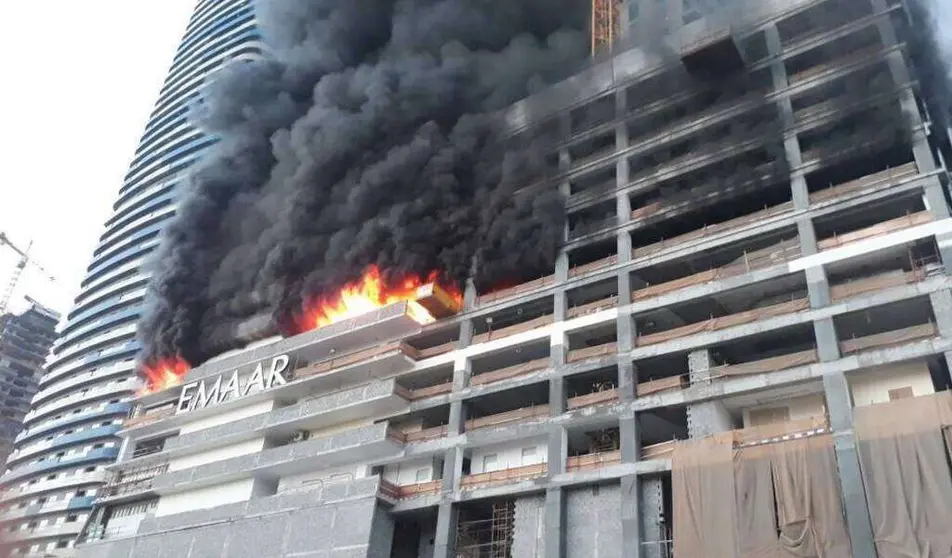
(605,24)
(18,270)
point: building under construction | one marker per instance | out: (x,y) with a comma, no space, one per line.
(742,350)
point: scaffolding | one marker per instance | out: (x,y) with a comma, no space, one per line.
(487,538)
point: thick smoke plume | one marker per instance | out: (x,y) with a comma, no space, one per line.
(369,135)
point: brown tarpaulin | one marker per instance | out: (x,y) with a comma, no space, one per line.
(809,511)
(906,469)
(702,477)
(756,512)
(728,502)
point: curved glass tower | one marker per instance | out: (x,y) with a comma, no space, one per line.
(68,437)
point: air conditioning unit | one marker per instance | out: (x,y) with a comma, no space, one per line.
(300,436)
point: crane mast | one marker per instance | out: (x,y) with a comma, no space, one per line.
(605,24)
(17,270)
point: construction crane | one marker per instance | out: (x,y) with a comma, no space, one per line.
(605,24)
(18,270)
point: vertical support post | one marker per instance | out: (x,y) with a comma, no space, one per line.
(447,519)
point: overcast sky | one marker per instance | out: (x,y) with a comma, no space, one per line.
(79,82)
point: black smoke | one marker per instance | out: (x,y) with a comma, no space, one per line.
(370,134)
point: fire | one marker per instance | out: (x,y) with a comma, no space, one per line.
(369,293)
(163,375)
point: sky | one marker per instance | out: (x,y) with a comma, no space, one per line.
(80,80)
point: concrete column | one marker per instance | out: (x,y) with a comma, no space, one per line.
(708,417)
(942,310)
(934,196)
(447,518)
(840,410)
(652,518)
(554,531)
(901,76)
(631,536)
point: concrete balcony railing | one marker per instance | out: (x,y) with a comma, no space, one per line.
(781,431)
(724,322)
(80,502)
(890,175)
(879,229)
(350,446)
(591,461)
(429,391)
(49,531)
(42,467)
(776,254)
(51,390)
(518,415)
(766,365)
(513,371)
(63,441)
(592,399)
(510,292)
(422,435)
(356,357)
(117,388)
(28,490)
(889,338)
(404,492)
(503,476)
(858,57)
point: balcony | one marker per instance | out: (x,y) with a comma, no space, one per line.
(101,454)
(131,482)
(346,447)
(63,441)
(405,492)
(28,490)
(504,476)
(525,414)
(592,399)
(60,530)
(592,461)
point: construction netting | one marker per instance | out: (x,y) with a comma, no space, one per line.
(767,500)
(904,449)
(724,322)
(880,229)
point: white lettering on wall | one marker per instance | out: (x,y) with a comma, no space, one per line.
(201,394)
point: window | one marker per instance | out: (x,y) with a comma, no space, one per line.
(72,518)
(62,544)
(80,493)
(901,393)
(51,477)
(98,446)
(528,455)
(41,501)
(422,475)
(489,462)
(89,469)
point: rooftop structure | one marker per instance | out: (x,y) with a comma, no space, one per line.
(752,295)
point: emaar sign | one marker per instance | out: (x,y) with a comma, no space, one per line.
(212,391)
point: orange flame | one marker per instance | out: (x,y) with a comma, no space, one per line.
(163,375)
(367,294)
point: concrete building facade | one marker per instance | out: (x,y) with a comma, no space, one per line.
(25,340)
(69,434)
(757,255)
